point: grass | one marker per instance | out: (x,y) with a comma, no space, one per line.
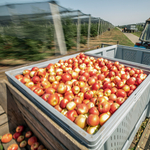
(137,33)
(114,35)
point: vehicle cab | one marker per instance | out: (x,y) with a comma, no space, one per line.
(145,37)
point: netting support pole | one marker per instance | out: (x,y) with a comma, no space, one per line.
(78,31)
(89,27)
(98,28)
(58,28)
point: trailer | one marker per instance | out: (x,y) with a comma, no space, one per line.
(130,28)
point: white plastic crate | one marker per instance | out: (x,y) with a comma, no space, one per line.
(134,54)
(116,132)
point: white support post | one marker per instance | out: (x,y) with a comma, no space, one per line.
(98,28)
(78,31)
(58,28)
(89,28)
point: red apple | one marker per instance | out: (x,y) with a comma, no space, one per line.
(53,99)
(61,88)
(35,145)
(71,114)
(20,128)
(16,135)
(120,100)
(28,134)
(121,93)
(23,144)
(114,107)
(38,91)
(94,111)
(93,120)
(104,107)
(20,138)
(82,109)
(32,140)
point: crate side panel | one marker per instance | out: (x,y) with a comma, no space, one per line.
(146,58)
(123,131)
(129,55)
(133,133)
(110,53)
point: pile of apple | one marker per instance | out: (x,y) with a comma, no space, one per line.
(84,89)
(23,139)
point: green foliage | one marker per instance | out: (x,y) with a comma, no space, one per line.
(69,32)
(27,41)
(140,28)
(94,29)
(84,29)
(83,40)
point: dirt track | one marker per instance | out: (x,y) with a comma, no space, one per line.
(131,36)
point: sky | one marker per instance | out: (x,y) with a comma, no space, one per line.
(117,12)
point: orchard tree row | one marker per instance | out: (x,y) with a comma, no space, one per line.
(35,40)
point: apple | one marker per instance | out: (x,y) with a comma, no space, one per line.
(53,100)
(35,145)
(93,110)
(100,100)
(41,147)
(120,100)
(81,121)
(38,91)
(71,114)
(61,88)
(103,118)
(82,109)
(131,81)
(75,89)
(91,81)
(26,72)
(93,120)
(104,107)
(95,86)
(20,138)
(20,128)
(28,134)
(113,97)
(66,77)
(50,90)
(45,84)
(114,107)
(107,92)
(19,77)
(16,135)
(121,93)
(24,80)
(71,105)
(32,140)
(63,103)
(126,88)
(92,130)
(69,96)
(88,94)
(90,104)
(23,144)
(36,79)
